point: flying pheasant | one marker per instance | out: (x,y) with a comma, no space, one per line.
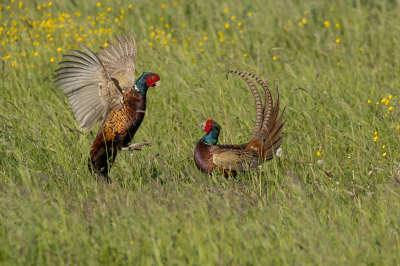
(265,140)
(101,88)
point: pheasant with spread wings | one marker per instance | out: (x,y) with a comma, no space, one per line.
(101,87)
(265,140)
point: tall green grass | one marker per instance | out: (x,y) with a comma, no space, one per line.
(339,208)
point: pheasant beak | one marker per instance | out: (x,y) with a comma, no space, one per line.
(157,83)
(202,126)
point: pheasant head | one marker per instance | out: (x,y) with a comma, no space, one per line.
(147,80)
(212,130)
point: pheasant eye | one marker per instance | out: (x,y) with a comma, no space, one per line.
(152,77)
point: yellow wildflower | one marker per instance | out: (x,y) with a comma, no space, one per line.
(376,138)
(250,14)
(326,23)
(109,9)
(390,97)
(98,4)
(398,128)
(244,55)
(383,146)
(384,154)
(360,49)
(274,58)
(225,10)
(375,133)
(337,40)
(369,101)
(305,12)
(175,3)
(304,21)
(162,6)
(319,153)
(383,100)
(35,54)
(337,25)
(300,24)
(226,25)
(390,108)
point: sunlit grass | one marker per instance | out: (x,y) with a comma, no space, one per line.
(331,197)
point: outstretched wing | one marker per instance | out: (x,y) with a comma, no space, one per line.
(236,159)
(120,61)
(90,91)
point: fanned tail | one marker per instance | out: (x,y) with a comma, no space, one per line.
(267,133)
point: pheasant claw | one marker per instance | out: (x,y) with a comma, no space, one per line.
(136,146)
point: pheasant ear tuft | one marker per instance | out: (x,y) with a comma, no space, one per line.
(209,126)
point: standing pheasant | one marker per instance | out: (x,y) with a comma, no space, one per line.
(101,88)
(265,140)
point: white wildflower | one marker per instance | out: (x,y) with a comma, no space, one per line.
(279,152)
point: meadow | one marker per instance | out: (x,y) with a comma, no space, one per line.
(332,197)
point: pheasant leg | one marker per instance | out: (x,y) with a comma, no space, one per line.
(136,146)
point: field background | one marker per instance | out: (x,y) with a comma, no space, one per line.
(336,64)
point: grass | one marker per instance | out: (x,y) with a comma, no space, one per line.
(338,205)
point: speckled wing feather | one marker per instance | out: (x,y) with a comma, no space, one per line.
(236,159)
(120,61)
(90,91)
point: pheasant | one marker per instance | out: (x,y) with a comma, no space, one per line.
(265,139)
(101,87)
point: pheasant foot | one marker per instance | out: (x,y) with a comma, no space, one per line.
(136,146)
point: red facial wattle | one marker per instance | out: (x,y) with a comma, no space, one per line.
(152,79)
(209,126)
